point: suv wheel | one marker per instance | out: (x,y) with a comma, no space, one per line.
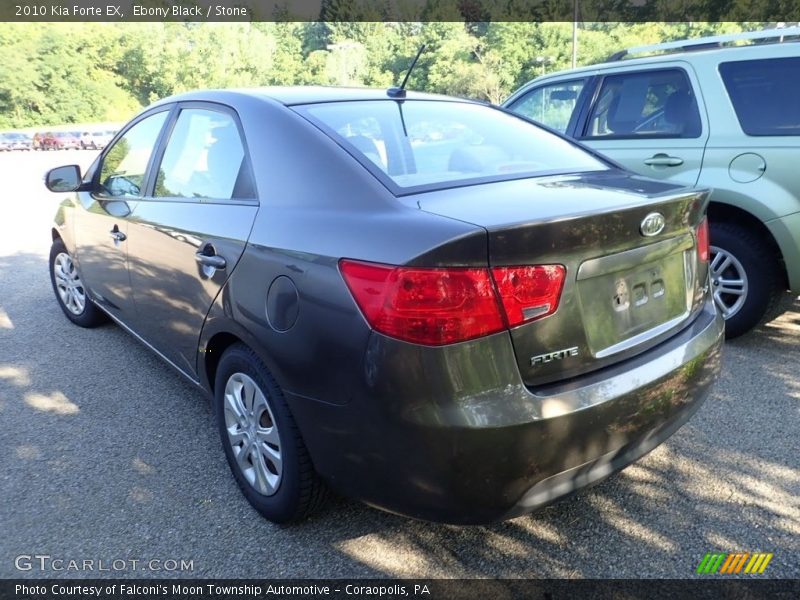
(263,446)
(69,289)
(745,277)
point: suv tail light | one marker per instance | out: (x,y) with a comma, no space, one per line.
(438,306)
(702,240)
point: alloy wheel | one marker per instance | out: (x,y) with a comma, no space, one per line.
(728,282)
(68,284)
(253,434)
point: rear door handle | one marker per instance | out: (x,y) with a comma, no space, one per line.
(214,260)
(663,160)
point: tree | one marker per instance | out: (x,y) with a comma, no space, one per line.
(55,73)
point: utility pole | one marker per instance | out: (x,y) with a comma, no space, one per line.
(544,61)
(575,34)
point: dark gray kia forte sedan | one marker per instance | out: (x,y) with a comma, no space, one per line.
(425,303)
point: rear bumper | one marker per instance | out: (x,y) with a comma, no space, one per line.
(453,435)
(567,482)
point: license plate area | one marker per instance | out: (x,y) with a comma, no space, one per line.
(624,304)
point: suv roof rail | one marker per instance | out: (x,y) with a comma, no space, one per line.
(704,43)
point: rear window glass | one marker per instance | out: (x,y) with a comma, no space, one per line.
(434,144)
(764,94)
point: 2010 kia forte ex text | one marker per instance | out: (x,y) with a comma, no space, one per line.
(425,303)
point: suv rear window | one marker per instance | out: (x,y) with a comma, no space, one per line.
(416,145)
(764,94)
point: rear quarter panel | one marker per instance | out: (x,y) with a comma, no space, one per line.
(317,205)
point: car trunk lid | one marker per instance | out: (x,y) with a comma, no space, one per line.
(629,248)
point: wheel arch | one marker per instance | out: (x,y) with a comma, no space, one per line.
(212,352)
(219,334)
(720,212)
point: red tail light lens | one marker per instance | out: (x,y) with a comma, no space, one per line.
(530,292)
(425,306)
(448,305)
(702,240)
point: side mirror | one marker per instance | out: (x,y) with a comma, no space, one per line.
(63,179)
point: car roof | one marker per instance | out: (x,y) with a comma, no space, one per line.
(312,94)
(713,54)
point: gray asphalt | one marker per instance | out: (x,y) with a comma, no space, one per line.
(106,454)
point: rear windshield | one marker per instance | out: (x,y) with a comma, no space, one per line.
(426,144)
(764,94)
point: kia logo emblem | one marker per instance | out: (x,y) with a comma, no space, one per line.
(652,224)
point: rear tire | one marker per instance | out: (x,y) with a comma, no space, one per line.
(69,289)
(262,443)
(746,278)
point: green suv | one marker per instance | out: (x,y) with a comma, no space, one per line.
(720,112)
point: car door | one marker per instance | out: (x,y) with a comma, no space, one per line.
(101,227)
(649,120)
(186,236)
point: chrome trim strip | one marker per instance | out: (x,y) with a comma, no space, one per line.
(642,337)
(629,259)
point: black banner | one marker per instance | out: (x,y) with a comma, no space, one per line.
(483,589)
(773,11)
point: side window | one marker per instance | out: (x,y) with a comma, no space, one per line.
(125,164)
(204,158)
(551,105)
(764,94)
(652,103)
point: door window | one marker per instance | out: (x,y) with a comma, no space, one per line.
(204,158)
(551,105)
(125,164)
(764,94)
(645,104)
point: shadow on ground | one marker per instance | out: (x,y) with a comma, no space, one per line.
(109,454)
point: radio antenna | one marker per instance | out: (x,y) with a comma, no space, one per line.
(400,92)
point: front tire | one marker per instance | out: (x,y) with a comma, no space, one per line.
(69,289)
(262,443)
(745,277)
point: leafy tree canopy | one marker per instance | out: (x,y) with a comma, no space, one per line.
(59,73)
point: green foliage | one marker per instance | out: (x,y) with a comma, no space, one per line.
(58,73)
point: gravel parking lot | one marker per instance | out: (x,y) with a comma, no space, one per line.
(108,455)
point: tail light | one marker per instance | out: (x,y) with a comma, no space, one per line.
(437,306)
(702,240)
(529,293)
(425,306)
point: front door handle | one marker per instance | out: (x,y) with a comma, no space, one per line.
(663,160)
(215,261)
(117,235)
